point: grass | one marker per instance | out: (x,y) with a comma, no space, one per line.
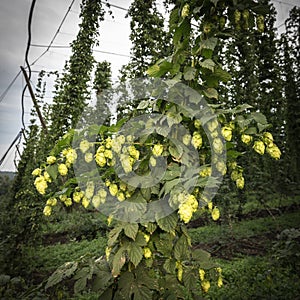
(51,257)
(214,232)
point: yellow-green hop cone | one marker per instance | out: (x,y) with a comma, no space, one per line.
(274,152)
(152,161)
(197,124)
(68,202)
(220,281)
(120,196)
(47,176)
(88,157)
(157,150)
(77,196)
(51,160)
(221,167)
(197,140)
(205,286)
(102,193)
(36,172)
(218,145)
(63,198)
(240,182)
(205,172)
(108,143)
(179,270)
(147,252)
(41,185)
(96,201)
(185,11)
(100,159)
(47,210)
(90,188)
(185,212)
(133,152)
(235,175)
(215,214)
(123,186)
(51,202)
(212,125)
(259,147)
(147,237)
(246,139)
(126,162)
(108,154)
(113,189)
(62,169)
(201,274)
(85,202)
(84,146)
(121,139)
(71,156)
(101,149)
(227,133)
(268,139)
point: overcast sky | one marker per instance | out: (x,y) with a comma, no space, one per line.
(114,38)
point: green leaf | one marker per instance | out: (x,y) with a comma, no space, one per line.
(151,227)
(135,253)
(61,273)
(80,285)
(52,171)
(222,75)
(210,43)
(102,280)
(189,73)
(113,235)
(262,127)
(259,118)
(208,64)
(164,244)
(251,130)
(131,230)
(142,293)
(181,249)
(211,93)
(140,240)
(233,154)
(241,108)
(189,278)
(143,104)
(118,261)
(169,185)
(200,255)
(170,265)
(153,71)
(168,223)
(172,172)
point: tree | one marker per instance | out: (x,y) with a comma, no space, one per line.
(291,66)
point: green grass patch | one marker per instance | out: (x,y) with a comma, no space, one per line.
(51,257)
(243,229)
(256,278)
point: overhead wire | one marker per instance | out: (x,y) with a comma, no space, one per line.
(9,86)
(56,33)
(19,135)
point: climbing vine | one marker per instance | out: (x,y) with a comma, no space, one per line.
(179,122)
